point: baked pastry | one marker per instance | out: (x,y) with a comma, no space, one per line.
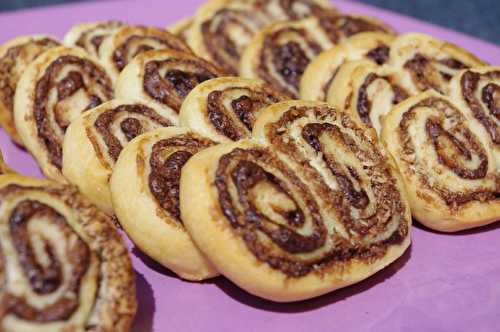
(129,41)
(450,173)
(164,77)
(424,62)
(94,141)
(3,166)
(223,28)
(15,55)
(53,90)
(367,91)
(182,28)
(90,36)
(145,192)
(477,92)
(64,265)
(225,109)
(280,53)
(319,74)
(285,215)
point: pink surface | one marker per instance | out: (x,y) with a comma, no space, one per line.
(443,283)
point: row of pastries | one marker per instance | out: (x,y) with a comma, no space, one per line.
(282,144)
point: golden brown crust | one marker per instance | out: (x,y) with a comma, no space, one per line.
(450,173)
(4,168)
(84,257)
(262,208)
(15,56)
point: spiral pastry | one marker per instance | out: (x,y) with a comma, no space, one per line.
(367,91)
(90,36)
(450,173)
(222,29)
(129,41)
(164,77)
(148,173)
(477,92)
(320,73)
(15,55)
(424,62)
(314,207)
(225,109)
(94,141)
(54,89)
(280,53)
(64,266)
(182,28)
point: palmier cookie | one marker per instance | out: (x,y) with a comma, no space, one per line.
(15,55)
(450,173)
(424,62)
(225,109)
(64,266)
(319,74)
(289,229)
(90,36)
(223,28)
(164,77)
(54,90)
(182,28)
(145,192)
(94,141)
(280,53)
(477,92)
(367,91)
(129,41)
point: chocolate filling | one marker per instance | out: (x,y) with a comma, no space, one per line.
(70,84)
(96,40)
(364,104)
(46,279)
(379,54)
(123,54)
(166,171)
(424,74)
(174,85)
(340,27)
(454,146)
(288,59)
(490,97)
(248,170)
(245,107)
(131,127)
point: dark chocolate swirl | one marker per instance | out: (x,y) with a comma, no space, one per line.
(340,27)
(283,60)
(131,120)
(236,122)
(91,39)
(481,92)
(83,80)
(287,229)
(458,151)
(166,160)
(248,18)
(132,41)
(168,81)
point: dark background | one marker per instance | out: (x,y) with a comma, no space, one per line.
(480,18)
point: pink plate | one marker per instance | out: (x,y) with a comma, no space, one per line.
(443,283)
